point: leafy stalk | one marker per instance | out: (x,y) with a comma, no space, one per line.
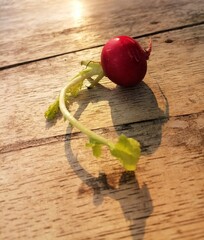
(126,150)
(52,110)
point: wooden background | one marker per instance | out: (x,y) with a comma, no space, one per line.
(51,187)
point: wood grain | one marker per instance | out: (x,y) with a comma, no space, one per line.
(52,192)
(51,186)
(174,69)
(31,30)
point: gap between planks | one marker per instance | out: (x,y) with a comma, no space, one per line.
(100,45)
(76,135)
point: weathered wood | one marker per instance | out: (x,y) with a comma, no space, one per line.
(31,30)
(51,186)
(55,191)
(26,91)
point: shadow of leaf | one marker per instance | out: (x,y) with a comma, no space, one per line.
(135,201)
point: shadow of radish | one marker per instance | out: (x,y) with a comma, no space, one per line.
(138,108)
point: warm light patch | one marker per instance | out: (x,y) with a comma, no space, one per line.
(77,9)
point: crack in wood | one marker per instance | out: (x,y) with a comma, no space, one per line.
(66,137)
(100,45)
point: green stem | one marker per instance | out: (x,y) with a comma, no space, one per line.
(72,119)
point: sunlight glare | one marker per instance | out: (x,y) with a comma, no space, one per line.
(77,9)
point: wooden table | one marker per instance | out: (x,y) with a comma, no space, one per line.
(51,187)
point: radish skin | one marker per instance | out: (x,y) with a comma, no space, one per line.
(124,61)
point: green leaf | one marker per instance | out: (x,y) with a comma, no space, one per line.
(127,151)
(52,110)
(96,147)
(75,89)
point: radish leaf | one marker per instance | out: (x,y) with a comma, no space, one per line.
(52,110)
(96,147)
(127,150)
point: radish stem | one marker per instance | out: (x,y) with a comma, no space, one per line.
(72,120)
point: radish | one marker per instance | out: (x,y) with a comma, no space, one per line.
(125,63)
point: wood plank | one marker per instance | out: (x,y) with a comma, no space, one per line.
(53,192)
(31,30)
(27,90)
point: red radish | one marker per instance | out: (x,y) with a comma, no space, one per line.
(124,61)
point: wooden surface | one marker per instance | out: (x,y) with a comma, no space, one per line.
(32,30)
(51,187)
